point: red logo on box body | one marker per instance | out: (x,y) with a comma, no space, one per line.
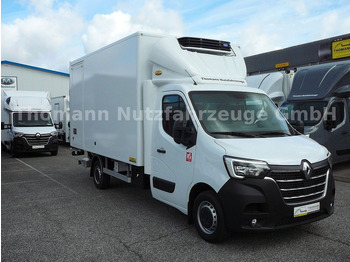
(188,156)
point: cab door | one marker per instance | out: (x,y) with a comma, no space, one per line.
(172,163)
(337,135)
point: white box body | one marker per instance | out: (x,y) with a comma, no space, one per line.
(104,83)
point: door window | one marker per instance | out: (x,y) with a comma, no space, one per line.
(174,108)
(337,111)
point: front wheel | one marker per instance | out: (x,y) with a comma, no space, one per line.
(101,180)
(209,217)
(13,151)
(54,153)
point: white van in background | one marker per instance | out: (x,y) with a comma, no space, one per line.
(60,114)
(276,85)
(26,123)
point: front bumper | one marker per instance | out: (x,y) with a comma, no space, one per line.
(21,145)
(261,199)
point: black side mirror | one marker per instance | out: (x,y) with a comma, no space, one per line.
(329,123)
(299,126)
(184,135)
(5,126)
(59,125)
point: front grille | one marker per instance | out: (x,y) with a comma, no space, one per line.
(295,188)
(188,42)
(34,140)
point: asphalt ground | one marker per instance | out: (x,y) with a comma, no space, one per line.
(51,211)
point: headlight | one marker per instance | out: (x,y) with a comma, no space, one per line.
(18,134)
(330,160)
(241,168)
(54,133)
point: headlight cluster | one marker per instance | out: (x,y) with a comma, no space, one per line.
(330,160)
(241,168)
(18,134)
(54,133)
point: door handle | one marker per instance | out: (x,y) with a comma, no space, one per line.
(344,132)
(161,150)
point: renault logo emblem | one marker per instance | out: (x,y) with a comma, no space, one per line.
(307,169)
(37,135)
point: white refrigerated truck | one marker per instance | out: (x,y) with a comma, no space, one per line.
(177,113)
(26,123)
(276,85)
(60,114)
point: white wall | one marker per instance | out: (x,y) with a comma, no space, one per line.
(29,79)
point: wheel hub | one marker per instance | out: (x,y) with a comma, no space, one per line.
(98,175)
(207,217)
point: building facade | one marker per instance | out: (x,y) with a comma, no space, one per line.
(23,77)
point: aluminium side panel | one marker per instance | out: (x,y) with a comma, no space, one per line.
(106,99)
(110,100)
(112,116)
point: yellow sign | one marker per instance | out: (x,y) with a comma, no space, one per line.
(341,49)
(132,159)
(282,65)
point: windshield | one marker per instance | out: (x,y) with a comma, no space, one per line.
(310,112)
(31,119)
(227,113)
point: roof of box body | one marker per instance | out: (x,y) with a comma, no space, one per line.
(34,67)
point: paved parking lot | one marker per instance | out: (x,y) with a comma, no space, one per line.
(51,211)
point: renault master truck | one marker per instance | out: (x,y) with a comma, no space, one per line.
(319,104)
(176,114)
(26,122)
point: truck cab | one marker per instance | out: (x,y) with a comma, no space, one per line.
(258,166)
(319,106)
(26,124)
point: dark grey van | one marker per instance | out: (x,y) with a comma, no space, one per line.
(319,106)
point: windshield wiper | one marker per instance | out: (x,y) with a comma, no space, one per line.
(235,134)
(275,134)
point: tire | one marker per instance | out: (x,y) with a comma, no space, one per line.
(54,153)
(13,152)
(101,180)
(209,217)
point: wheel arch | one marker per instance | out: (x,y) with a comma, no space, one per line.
(195,191)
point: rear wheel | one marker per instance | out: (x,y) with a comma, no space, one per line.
(209,218)
(101,180)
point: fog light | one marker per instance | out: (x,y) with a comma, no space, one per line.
(254,221)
